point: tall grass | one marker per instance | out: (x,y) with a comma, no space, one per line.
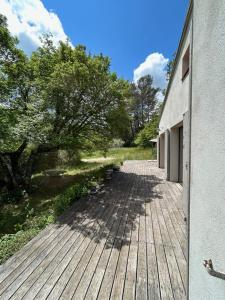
(121,154)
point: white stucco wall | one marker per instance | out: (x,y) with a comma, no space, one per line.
(177,100)
(186,165)
(207,198)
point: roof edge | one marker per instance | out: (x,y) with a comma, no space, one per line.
(183,36)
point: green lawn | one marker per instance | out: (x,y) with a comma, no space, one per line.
(121,154)
(22,220)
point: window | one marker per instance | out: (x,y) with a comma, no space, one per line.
(185,63)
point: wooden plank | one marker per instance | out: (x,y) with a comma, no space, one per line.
(131,274)
(97,278)
(61,275)
(177,248)
(136,253)
(74,281)
(163,229)
(176,281)
(131,271)
(93,289)
(12,270)
(107,283)
(155,224)
(176,201)
(119,280)
(179,234)
(152,268)
(41,274)
(153,276)
(118,284)
(22,255)
(130,281)
(179,255)
(149,228)
(14,283)
(164,278)
(142,279)
(165,225)
(117,233)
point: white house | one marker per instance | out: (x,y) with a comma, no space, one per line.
(191,143)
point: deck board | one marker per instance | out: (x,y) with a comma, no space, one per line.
(127,243)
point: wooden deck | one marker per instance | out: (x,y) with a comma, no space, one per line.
(126,243)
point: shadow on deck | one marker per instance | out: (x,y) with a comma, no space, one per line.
(124,243)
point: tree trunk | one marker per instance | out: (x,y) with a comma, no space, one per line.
(11,179)
(17,171)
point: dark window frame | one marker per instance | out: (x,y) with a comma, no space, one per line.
(186,63)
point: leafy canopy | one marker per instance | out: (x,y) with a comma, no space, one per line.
(59,98)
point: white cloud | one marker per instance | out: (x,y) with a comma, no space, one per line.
(154,65)
(160,97)
(29,20)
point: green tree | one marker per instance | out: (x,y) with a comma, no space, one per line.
(170,66)
(59,98)
(142,103)
(150,130)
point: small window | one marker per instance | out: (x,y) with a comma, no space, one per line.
(185,63)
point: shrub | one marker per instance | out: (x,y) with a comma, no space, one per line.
(11,197)
(150,131)
(10,243)
(64,200)
(55,159)
(78,190)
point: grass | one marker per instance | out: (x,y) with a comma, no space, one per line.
(22,220)
(121,154)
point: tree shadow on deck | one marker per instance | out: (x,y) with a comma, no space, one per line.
(113,214)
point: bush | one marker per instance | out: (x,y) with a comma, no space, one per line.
(68,157)
(150,131)
(54,159)
(11,197)
(10,243)
(73,193)
(116,143)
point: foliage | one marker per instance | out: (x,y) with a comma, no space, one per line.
(170,66)
(73,193)
(116,143)
(11,243)
(60,98)
(149,132)
(142,103)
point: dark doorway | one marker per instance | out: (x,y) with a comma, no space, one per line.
(180,166)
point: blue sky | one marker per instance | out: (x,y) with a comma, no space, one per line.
(136,34)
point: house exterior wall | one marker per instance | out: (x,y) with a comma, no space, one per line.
(186,163)
(175,108)
(177,100)
(207,187)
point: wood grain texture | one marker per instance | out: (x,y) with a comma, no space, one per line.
(126,243)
